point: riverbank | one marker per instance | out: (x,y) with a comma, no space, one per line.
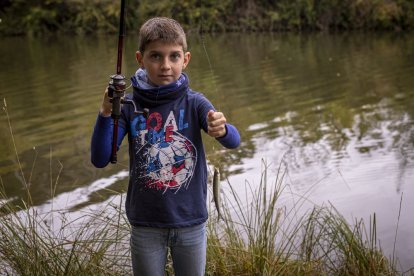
(256,236)
(81,16)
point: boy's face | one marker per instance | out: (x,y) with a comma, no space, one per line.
(163,62)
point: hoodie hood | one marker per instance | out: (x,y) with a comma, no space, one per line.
(149,96)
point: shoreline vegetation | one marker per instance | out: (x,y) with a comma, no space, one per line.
(18,17)
(255,237)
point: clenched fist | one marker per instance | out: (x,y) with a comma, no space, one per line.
(216,123)
(106,107)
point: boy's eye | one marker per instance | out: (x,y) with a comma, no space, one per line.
(175,56)
(155,56)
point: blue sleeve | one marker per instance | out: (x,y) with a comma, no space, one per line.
(232,138)
(101,144)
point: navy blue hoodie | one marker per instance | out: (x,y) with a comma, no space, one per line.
(168,171)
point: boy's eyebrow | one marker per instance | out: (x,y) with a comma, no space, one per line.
(161,52)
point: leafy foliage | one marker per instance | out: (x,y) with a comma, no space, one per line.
(81,16)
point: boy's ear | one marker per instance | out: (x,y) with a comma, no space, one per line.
(138,57)
(187,56)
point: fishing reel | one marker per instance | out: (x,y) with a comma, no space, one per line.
(116,93)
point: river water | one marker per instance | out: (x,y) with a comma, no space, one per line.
(336,110)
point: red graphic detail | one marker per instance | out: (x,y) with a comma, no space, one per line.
(161,185)
(169,133)
(158,121)
(176,169)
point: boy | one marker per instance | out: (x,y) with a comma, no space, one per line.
(166,198)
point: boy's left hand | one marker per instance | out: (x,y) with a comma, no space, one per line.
(216,123)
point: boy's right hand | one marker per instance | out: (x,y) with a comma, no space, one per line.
(106,107)
(216,124)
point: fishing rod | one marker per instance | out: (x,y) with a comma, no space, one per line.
(117,85)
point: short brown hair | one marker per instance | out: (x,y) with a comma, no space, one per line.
(164,29)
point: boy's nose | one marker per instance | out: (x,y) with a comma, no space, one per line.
(165,64)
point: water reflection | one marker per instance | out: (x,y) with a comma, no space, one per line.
(336,110)
(315,92)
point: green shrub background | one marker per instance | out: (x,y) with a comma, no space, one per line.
(88,16)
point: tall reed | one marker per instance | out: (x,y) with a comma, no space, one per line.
(259,236)
(265,238)
(34,243)
(53,242)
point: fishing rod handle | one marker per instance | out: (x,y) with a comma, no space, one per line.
(114,149)
(116,91)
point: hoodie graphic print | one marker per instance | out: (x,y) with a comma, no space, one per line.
(166,159)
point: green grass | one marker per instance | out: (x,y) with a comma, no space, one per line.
(266,239)
(49,244)
(260,238)
(53,242)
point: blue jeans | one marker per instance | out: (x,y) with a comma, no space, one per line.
(149,247)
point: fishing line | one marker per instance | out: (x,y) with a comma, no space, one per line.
(203,44)
(215,170)
(209,62)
